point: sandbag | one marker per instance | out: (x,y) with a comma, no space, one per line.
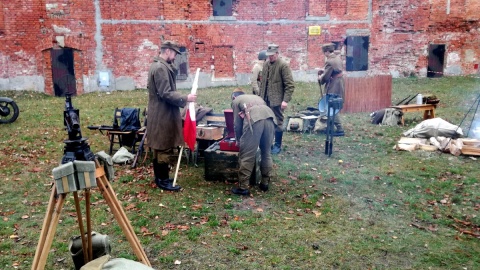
(433,128)
(107,263)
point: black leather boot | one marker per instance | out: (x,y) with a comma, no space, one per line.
(241,191)
(277,146)
(162,179)
(339,132)
(264,184)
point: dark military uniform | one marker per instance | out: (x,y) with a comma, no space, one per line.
(262,120)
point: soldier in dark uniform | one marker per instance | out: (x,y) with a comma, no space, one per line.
(164,119)
(254,125)
(332,78)
(276,89)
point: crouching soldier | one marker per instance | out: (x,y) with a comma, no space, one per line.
(254,125)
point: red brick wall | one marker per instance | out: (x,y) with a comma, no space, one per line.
(223,62)
(131,31)
(317,8)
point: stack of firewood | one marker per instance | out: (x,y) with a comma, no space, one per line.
(461,146)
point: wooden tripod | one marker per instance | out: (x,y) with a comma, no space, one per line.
(52,217)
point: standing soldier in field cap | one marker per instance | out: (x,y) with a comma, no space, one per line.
(332,78)
(164,119)
(276,89)
(257,72)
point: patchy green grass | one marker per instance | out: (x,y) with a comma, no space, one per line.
(377,208)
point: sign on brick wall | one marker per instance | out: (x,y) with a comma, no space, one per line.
(314,30)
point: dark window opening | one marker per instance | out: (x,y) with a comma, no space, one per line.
(436,60)
(199,47)
(222,7)
(63,73)
(181,62)
(357,53)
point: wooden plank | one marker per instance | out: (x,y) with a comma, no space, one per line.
(406,140)
(470,150)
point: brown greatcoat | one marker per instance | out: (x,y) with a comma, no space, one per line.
(333,77)
(164,102)
(277,77)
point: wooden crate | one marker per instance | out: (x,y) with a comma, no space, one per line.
(223,165)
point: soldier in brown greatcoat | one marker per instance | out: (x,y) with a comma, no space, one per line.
(332,78)
(257,72)
(276,89)
(164,119)
(254,125)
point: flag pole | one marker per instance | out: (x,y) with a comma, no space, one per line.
(191,112)
(178,166)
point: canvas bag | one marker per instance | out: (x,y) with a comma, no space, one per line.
(123,156)
(392,117)
(295,124)
(320,124)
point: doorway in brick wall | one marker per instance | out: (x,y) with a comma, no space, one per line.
(357,53)
(436,60)
(63,73)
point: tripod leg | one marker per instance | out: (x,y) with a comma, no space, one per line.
(80,225)
(330,147)
(119,214)
(89,226)
(123,221)
(46,224)
(51,231)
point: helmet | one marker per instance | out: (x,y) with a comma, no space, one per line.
(262,55)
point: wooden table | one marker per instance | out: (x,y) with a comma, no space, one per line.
(428,110)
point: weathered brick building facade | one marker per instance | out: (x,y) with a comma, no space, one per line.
(58,46)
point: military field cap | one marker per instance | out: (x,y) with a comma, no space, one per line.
(272,49)
(329,47)
(237,92)
(168,44)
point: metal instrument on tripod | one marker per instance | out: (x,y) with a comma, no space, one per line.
(80,171)
(334,105)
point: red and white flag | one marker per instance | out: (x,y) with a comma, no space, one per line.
(190,123)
